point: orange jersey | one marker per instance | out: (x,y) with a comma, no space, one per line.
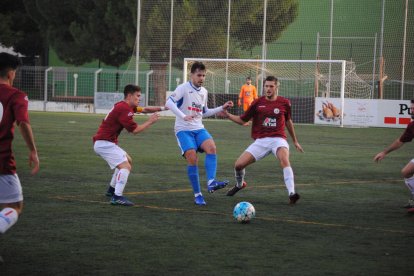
(248,94)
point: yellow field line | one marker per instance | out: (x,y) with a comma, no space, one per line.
(170,209)
(345,182)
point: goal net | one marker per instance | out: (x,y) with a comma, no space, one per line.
(315,88)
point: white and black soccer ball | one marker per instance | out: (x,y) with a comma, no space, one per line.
(244,211)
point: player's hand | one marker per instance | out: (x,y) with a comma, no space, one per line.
(239,103)
(227,105)
(34,162)
(154,117)
(223,114)
(299,147)
(379,156)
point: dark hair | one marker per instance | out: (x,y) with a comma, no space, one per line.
(197,65)
(8,62)
(131,89)
(272,78)
(412,100)
(248,78)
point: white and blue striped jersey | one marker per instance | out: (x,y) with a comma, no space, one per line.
(192,101)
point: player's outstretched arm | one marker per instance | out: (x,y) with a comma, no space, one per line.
(395,145)
(150,109)
(152,119)
(27,133)
(171,105)
(232,117)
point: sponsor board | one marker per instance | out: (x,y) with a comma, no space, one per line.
(363,112)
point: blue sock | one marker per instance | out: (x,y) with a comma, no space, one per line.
(192,172)
(211,166)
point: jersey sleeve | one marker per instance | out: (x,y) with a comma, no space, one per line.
(288,114)
(20,107)
(178,94)
(126,120)
(408,134)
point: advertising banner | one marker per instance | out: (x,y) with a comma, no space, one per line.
(363,112)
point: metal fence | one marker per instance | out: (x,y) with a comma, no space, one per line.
(377,36)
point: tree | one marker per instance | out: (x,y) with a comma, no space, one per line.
(84,30)
(19,31)
(81,31)
(200,30)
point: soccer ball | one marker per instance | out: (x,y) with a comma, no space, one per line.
(244,211)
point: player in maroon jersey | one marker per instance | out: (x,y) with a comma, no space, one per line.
(106,139)
(270,114)
(408,171)
(13,109)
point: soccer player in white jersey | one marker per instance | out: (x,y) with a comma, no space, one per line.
(189,104)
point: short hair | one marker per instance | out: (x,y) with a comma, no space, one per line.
(197,65)
(8,62)
(272,78)
(131,89)
(248,78)
(412,101)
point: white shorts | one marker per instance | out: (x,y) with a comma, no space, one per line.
(10,188)
(110,152)
(262,147)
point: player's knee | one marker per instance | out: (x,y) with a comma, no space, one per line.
(284,163)
(406,173)
(125,165)
(129,158)
(191,157)
(211,149)
(239,166)
(18,206)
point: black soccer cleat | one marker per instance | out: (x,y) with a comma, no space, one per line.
(235,189)
(293,198)
(110,192)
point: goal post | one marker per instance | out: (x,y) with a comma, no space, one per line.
(306,83)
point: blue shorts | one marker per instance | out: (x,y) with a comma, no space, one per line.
(192,139)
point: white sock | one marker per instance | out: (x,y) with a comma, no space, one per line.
(409,182)
(8,217)
(289,180)
(197,194)
(121,180)
(113,180)
(239,177)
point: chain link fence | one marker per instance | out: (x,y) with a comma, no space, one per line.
(375,36)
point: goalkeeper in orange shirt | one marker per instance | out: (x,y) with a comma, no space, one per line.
(248,94)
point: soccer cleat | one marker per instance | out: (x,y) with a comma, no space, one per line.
(121,200)
(293,198)
(410,204)
(110,191)
(199,200)
(216,185)
(235,189)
